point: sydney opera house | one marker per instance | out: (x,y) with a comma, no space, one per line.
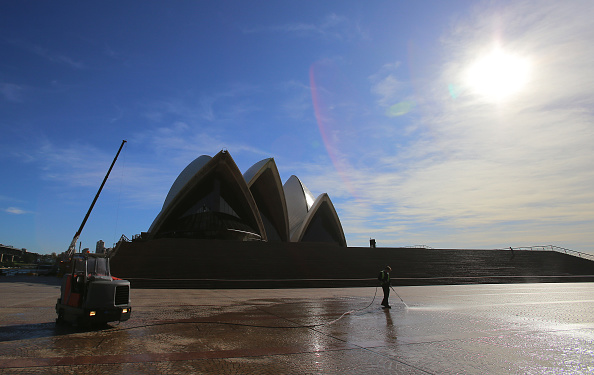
(211,199)
(219,223)
(221,229)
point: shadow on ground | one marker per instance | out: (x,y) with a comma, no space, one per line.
(45,280)
(44,330)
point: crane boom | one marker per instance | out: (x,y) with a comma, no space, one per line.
(72,247)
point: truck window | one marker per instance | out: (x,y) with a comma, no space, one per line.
(97,267)
(91,266)
(79,265)
(101,267)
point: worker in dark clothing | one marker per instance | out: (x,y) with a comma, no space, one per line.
(384,278)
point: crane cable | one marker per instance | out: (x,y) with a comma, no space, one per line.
(115,229)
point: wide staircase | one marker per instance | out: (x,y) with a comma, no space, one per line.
(184,263)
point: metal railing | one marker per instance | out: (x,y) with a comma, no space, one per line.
(116,246)
(558,249)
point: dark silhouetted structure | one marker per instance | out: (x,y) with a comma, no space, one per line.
(219,228)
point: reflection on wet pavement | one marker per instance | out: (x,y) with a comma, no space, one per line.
(495,329)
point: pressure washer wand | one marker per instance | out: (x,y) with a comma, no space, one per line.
(401,300)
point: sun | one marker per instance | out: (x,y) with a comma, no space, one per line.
(498,75)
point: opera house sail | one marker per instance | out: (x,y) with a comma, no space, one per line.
(311,220)
(266,187)
(211,199)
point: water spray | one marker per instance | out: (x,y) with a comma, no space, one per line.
(401,300)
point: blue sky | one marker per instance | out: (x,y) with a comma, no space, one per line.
(376,103)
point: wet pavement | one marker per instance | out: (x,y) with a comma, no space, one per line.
(447,329)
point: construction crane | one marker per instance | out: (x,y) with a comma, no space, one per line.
(72,248)
(89,294)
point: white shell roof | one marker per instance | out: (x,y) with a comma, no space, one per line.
(274,206)
(185,176)
(187,180)
(255,170)
(299,201)
(301,205)
(313,211)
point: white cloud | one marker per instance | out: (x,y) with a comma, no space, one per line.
(389,89)
(15,211)
(331,27)
(529,159)
(12,92)
(483,174)
(533,152)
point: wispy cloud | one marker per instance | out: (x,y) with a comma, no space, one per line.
(78,164)
(80,167)
(389,89)
(527,158)
(154,156)
(48,54)
(15,211)
(213,106)
(180,143)
(296,102)
(485,174)
(331,27)
(12,92)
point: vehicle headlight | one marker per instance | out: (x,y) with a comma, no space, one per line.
(124,311)
(92,313)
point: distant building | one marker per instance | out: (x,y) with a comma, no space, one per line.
(100,248)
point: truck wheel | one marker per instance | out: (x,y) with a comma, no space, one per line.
(60,319)
(81,322)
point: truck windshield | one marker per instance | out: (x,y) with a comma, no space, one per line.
(79,265)
(97,267)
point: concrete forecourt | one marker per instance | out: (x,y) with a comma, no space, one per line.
(445,329)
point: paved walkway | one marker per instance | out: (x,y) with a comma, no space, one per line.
(467,329)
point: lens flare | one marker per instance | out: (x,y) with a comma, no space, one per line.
(400,109)
(333,105)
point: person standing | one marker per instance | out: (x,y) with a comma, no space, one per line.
(384,278)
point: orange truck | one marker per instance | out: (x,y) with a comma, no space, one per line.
(89,295)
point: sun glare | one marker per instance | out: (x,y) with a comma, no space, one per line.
(498,75)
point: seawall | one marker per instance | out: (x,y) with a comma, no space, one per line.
(187,263)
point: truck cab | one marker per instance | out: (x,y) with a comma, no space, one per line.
(90,295)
